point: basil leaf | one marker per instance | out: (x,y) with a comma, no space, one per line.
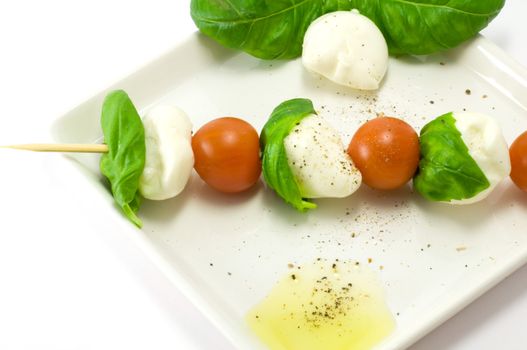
(420,27)
(272,29)
(446,170)
(124,163)
(267,29)
(275,168)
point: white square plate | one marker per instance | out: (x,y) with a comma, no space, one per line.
(227,252)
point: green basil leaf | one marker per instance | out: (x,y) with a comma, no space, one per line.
(124,163)
(422,27)
(446,169)
(272,29)
(276,171)
(267,29)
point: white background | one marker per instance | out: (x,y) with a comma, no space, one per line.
(63,285)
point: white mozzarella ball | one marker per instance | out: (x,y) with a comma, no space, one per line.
(487,146)
(169,156)
(317,158)
(347,48)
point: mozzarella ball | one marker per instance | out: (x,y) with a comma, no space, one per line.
(318,161)
(487,146)
(169,157)
(347,48)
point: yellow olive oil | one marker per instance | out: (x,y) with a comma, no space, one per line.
(329,305)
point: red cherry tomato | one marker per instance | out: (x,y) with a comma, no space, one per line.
(386,151)
(518,153)
(227,154)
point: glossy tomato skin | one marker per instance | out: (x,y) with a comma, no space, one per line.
(386,151)
(518,154)
(227,154)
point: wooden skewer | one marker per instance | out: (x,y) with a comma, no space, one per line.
(72,147)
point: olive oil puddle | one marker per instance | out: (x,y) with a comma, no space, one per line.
(329,305)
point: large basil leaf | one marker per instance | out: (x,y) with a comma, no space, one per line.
(275,167)
(422,27)
(272,29)
(124,163)
(446,170)
(266,29)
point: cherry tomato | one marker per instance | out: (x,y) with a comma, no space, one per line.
(386,151)
(518,153)
(227,154)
